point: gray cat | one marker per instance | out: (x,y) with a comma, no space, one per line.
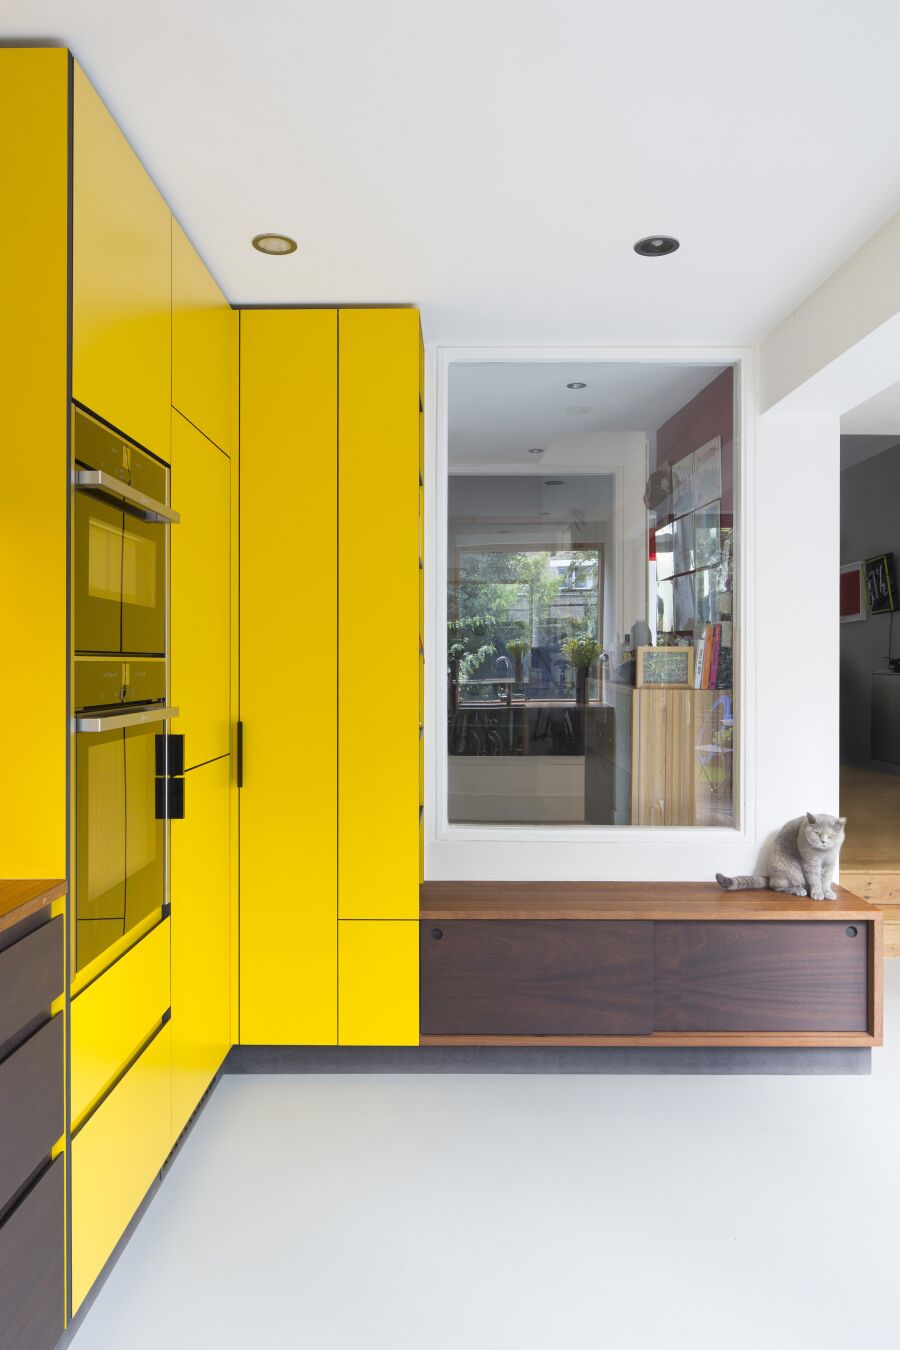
(803,858)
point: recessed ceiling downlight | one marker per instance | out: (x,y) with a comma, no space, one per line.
(553,482)
(656,245)
(276,245)
(536,450)
(576,384)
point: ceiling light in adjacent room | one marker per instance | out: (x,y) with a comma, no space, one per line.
(553,482)
(576,384)
(536,450)
(656,245)
(274,244)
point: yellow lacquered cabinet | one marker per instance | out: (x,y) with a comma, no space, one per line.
(115,1014)
(201,594)
(378,1000)
(121,279)
(201,939)
(378,637)
(288,703)
(34,88)
(201,344)
(115,1157)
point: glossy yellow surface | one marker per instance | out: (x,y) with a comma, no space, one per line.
(378,985)
(201,594)
(115,1157)
(201,351)
(113,1017)
(288,608)
(378,675)
(234,793)
(122,280)
(201,937)
(33,459)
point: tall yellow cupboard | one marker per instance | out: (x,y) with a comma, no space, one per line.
(201,344)
(34,228)
(288,677)
(201,594)
(121,279)
(201,937)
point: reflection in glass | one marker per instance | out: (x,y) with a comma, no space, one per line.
(559,569)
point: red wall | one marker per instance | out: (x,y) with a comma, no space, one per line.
(709,414)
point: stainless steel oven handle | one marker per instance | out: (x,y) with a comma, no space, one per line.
(123,494)
(114,721)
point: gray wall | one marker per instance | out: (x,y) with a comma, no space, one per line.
(870,524)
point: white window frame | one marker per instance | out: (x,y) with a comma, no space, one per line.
(467,851)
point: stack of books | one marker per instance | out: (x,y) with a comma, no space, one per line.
(713,657)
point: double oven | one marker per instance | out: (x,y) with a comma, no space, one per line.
(120,585)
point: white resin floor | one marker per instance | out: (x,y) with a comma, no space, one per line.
(490,1212)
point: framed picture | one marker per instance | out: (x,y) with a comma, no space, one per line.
(881,583)
(853,593)
(707,535)
(684,544)
(684,604)
(669,667)
(683,486)
(708,472)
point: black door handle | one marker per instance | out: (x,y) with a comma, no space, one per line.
(239,748)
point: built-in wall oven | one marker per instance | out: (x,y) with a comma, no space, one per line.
(121,515)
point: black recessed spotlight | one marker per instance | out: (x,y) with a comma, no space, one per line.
(536,450)
(276,245)
(553,482)
(576,384)
(656,246)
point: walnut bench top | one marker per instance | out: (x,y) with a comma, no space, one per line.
(18,899)
(628,900)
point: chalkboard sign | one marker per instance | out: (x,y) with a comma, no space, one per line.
(881,583)
(670,667)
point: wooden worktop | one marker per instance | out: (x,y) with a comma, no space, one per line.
(627,900)
(18,899)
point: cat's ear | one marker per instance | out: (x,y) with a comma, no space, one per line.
(842,820)
(810,817)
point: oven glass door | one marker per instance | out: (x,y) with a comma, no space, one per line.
(119,843)
(97,570)
(143,586)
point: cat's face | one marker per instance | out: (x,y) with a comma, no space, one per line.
(825,831)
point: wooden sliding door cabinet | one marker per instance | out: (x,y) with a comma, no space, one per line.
(609,964)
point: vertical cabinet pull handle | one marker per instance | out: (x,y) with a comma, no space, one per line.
(239,767)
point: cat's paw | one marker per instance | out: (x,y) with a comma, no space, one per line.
(830,895)
(817,893)
(798,890)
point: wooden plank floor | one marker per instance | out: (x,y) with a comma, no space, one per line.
(870,860)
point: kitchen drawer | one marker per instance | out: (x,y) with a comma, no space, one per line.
(759,976)
(535,977)
(31,977)
(31,1106)
(112,1017)
(116,1155)
(32,1266)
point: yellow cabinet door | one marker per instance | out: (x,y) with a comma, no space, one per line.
(34,230)
(378,639)
(378,982)
(121,280)
(201,343)
(201,937)
(201,594)
(115,1157)
(288,704)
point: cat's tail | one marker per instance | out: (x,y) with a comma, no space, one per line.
(742,883)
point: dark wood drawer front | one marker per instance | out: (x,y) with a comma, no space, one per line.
(31,977)
(31,1106)
(507,977)
(779,976)
(32,1274)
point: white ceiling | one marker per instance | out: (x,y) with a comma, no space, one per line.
(494,160)
(499,410)
(878,416)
